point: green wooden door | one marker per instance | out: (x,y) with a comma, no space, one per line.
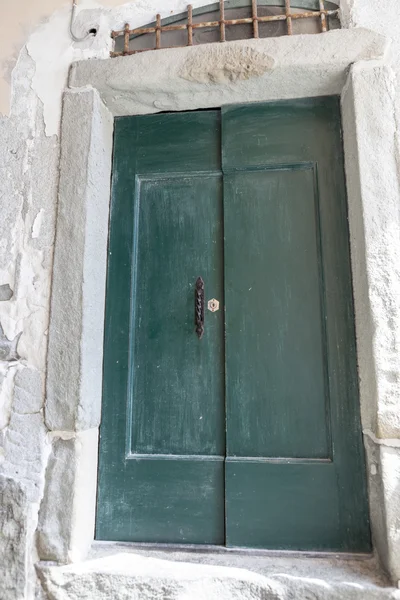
(162,449)
(251,435)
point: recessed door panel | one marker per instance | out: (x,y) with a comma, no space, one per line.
(177,379)
(282,504)
(277,404)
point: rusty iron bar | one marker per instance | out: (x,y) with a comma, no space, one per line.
(309,15)
(288,17)
(158,32)
(267,19)
(222,20)
(189,25)
(254,20)
(131,52)
(199,307)
(249,20)
(126,38)
(323,16)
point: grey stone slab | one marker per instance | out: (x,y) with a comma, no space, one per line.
(124,572)
(14,545)
(75,353)
(67,511)
(276,68)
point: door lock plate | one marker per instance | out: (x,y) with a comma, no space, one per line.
(213,305)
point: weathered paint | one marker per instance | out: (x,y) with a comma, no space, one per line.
(294,468)
(166,230)
(292,391)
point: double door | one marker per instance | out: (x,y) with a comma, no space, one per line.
(230,406)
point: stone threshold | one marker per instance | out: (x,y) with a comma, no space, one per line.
(122,571)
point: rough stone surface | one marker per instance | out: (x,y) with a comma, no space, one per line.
(363,315)
(142,575)
(390,468)
(28,391)
(26,450)
(67,511)
(75,359)
(6,292)
(373,187)
(15,529)
(287,67)
(29,176)
(376,494)
(222,64)
(375,230)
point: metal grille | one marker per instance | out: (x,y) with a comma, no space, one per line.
(287,16)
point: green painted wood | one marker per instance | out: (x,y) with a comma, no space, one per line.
(163,425)
(178,385)
(292,506)
(276,388)
(170,500)
(291,373)
(269,235)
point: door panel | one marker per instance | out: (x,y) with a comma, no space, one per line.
(178,380)
(291,359)
(287,505)
(162,446)
(276,389)
(173,500)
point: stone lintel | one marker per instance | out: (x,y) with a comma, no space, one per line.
(234,72)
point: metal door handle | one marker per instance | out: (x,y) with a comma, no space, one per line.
(199,307)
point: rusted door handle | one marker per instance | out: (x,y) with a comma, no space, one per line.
(199,307)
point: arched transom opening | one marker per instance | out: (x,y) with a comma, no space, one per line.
(227,21)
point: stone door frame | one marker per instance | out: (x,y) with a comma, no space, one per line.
(346,62)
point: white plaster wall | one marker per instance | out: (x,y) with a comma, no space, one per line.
(35,54)
(36,51)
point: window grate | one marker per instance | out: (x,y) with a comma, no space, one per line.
(288,16)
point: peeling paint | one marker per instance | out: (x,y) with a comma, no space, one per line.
(37,224)
(7,376)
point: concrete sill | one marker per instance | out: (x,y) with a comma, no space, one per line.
(120,571)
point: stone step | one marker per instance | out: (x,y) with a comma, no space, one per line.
(128,572)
